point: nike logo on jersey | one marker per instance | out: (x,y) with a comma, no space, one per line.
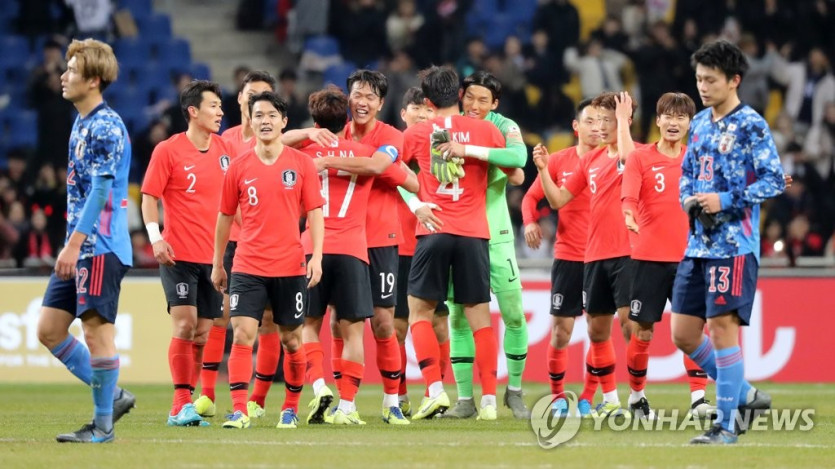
(593,170)
(512,279)
(564,174)
(250,181)
(298,315)
(386,296)
(189,168)
(657,168)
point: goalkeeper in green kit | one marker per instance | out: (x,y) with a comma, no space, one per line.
(481,93)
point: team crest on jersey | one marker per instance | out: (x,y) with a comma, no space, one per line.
(79,149)
(288,178)
(726,143)
(182,290)
(224,162)
(233,301)
(635,307)
(556,301)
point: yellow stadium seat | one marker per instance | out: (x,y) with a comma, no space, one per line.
(775,105)
(560,141)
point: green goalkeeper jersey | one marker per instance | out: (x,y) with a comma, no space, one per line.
(498,215)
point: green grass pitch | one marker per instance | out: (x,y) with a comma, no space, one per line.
(32,415)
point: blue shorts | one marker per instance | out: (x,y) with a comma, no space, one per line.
(712,287)
(96,286)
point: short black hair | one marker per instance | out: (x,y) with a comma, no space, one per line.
(376,80)
(329,108)
(440,85)
(259,75)
(192,94)
(277,101)
(487,80)
(723,56)
(413,95)
(582,105)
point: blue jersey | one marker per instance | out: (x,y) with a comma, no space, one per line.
(99,146)
(735,157)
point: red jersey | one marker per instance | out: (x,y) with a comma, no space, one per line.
(187,182)
(650,190)
(463,203)
(234,138)
(272,199)
(408,223)
(608,237)
(383,223)
(573,224)
(346,202)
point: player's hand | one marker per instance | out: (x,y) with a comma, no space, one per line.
(788,180)
(533,235)
(219,278)
(163,253)
(66,262)
(427,218)
(623,105)
(323,137)
(540,157)
(314,271)
(451,150)
(631,224)
(443,170)
(321,164)
(709,202)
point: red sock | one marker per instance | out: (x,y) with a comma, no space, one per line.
(603,360)
(486,350)
(181,363)
(590,381)
(266,363)
(427,351)
(240,372)
(444,363)
(557,364)
(403,361)
(197,353)
(351,379)
(637,357)
(695,375)
(388,362)
(294,364)
(315,356)
(337,345)
(212,356)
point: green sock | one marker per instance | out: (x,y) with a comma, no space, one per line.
(515,335)
(461,350)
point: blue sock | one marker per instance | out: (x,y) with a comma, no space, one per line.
(703,356)
(105,375)
(75,356)
(730,374)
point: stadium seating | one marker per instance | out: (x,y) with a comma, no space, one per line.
(320,52)
(338,74)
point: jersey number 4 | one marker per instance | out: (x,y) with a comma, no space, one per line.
(451,189)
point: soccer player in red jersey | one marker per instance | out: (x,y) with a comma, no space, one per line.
(273,185)
(607,269)
(241,139)
(457,248)
(652,211)
(185,172)
(346,170)
(569,253)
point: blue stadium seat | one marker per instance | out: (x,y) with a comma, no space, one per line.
(23,129)
(322,45)
(138,8)
(201,71)
(156,26)
(15,49)
(338,74)
(132,51)
(175,55)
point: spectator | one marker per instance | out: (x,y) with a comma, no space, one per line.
(611,34)
(16,171)
(307,18)
(598,69)
(229,103)
(560,20)
(658,63)
(361,29)
(45,192)
(37,246)
(402,75)
(819,145)
(54,112)
(144,145)
(92,17)
(802,241)
(403,24)
(297,113)
(772,245)
(473,60)
(810,85)
(173,115)
(754,89)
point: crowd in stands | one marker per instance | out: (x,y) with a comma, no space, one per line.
(547,54)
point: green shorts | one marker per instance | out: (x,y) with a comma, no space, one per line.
(504,270)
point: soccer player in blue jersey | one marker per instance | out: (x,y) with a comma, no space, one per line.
(730,167)
(97,251)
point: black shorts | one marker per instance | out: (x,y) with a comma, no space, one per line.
(567,288)
(652,286)
(344,285)
(382,274)
(96,286)
(607,284)
(286,296)
(438,256)
(190,284)
(401,310)
(228,257)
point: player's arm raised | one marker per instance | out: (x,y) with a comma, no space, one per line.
(557,197)
(623,113)
(374,166)
(296,137)
(630,192)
